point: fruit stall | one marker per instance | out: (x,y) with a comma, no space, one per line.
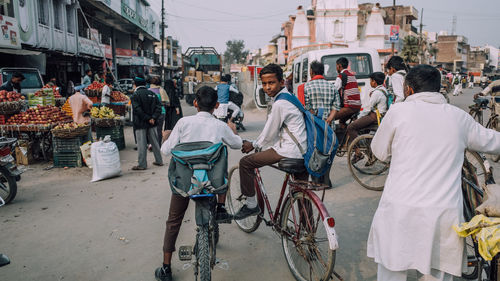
(118,103)
(106,122)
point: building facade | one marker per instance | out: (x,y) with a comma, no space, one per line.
(63,38)
(452,52)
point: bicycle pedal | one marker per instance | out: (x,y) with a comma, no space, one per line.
(185,253)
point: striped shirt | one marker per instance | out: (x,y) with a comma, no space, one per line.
(350,91)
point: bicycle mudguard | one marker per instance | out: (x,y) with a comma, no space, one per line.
(330,233)
(203,210)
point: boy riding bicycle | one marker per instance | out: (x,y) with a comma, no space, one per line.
(283,115)
(201,127)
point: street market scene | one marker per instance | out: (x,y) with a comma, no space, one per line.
(249,140)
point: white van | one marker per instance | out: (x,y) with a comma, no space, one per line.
(362,62)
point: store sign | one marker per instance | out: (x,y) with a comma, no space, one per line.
(10,33)
(394,34)
(132,16)
(125,52)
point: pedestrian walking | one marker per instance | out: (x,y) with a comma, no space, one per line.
(173,110)
(147,111)
(471,81)
(457,86)
(422,197)
(164,100)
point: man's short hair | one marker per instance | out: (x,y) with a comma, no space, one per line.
(139,80)
(397,62)
(18,75)
(88,70)
(155,80)
(317,68)
(424,78)
(224,78)
(109,79)
(272,69)
(206,97)
(343,62)
(378,77)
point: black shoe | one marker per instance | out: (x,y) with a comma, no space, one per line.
(246,212)
(222,216)
(163,275)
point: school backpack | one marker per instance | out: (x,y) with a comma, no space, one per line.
(389,99)
(456,81)
(322,142)
(198,168)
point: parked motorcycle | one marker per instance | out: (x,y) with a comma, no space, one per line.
(9,173)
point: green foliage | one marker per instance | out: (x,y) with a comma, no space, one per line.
(235,52)
(410,49)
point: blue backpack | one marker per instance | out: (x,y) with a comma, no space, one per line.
(322,142)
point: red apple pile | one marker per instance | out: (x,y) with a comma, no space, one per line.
(40,115)
(10,96)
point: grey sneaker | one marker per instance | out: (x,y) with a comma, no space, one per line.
(163,275)
(246,212)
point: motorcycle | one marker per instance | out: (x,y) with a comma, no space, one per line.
(9,173)
(483,85)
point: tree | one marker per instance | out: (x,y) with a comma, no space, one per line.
(410,49)
(235,52)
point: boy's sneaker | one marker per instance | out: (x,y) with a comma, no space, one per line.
(222,216)
(246,212)
(162,274)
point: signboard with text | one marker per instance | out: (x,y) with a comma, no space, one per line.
(394,34)
(10,33)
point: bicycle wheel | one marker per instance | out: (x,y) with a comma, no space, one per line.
(236,201)
(203,254)
(471,270)
(369,172)
(477,163)
(304,239)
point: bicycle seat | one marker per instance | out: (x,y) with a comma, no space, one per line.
(292,165)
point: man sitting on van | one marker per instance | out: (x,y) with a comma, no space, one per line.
(14,83)
(350,97)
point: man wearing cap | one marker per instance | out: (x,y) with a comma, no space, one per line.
(147,110)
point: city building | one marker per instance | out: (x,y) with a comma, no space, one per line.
(63,38)
(340,24)
(172,57)
(452,52)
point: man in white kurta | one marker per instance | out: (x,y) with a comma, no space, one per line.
(425,139)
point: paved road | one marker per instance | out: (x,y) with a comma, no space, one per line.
(61,227)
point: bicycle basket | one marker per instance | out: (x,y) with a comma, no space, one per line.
(198,168)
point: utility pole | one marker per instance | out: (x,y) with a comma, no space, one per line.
(421,39)
(454,25)
(393,20)
(162,42)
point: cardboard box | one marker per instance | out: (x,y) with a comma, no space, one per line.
(216,78)
(207,78)
(23,155)
(191,72)
(199,76)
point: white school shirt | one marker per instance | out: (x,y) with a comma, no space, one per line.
(201,127)
(377,100)
(338,82)
(397,80)
(274,134)
(422,199)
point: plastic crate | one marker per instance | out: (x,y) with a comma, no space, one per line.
(68,159)
(116,134)
(68,145)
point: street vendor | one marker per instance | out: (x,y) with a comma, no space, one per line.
(106,91)
(80,104)
(14,84)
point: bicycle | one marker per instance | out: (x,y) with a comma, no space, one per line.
(307,231)
(476,111)
(369,172)
(473,194)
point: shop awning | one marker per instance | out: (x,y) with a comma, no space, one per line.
(19,52)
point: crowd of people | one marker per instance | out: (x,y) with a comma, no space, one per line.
(422,199)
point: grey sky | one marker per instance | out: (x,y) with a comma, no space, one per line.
(213,22)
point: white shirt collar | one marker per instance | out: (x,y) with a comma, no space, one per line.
(284,90)
(204,114)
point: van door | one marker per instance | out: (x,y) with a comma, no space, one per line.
(296,75)
(305,70)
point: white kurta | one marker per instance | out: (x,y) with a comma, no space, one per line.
(422,198)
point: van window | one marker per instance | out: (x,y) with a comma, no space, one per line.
(359,64)
(296,72)
(304,70)
(32,80)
